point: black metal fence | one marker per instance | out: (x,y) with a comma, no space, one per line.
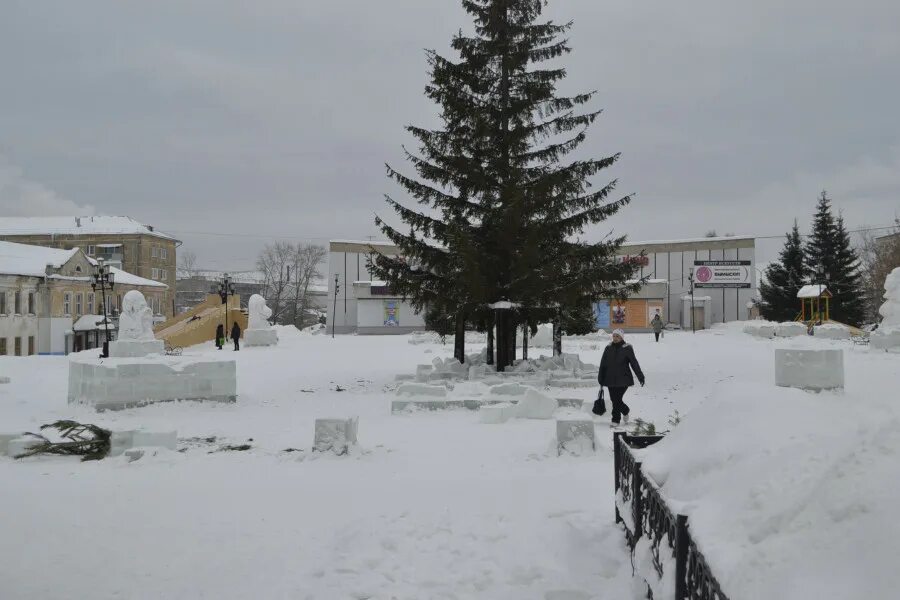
(666,532)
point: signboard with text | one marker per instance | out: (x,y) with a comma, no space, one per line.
(723,274)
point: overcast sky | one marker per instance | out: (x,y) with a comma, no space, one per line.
(231,124)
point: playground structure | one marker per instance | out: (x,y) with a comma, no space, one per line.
(811,297)
(815,309)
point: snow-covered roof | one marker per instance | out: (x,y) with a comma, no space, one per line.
(25,259)
(76,226)
(236,276)
(811,291)
(371,283)
(729,238)
(89,323)
(633,281)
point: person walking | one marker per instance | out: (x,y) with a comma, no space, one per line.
(658,325)
(236,336)
(615,374)
(220,336)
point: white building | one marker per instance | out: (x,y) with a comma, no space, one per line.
(367,306)
(364,305)
(672,262)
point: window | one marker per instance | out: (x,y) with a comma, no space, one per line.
(90,303)
(154,252)
(78,268)
(30,345)
(67,303)
(2,346)
(17,295)
(31,307)
(154,273)
(163,275)
(91,250)
(164,253)
(2,303)
(78,304)
(18,346)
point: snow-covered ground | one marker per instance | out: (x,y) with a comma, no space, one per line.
(437,505)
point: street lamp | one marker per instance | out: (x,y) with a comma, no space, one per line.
(103,277)
(337,288)
(691,279)
(226,288)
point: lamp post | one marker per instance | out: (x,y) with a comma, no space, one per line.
(104,278)
(820,274)
(691,279)
(337,288)
(226,288)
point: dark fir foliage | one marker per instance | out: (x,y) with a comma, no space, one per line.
(784,279)
(829,248)
(502,206)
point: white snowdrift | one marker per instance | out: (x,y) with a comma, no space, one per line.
(790,495)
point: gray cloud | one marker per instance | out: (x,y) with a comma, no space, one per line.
(274,118)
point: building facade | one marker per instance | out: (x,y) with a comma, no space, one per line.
(669,264)
(366,306)
(363,305)
(122,242)
(47,305)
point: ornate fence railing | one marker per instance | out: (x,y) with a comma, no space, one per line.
(648,516)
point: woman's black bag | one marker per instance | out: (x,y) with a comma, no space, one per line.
(599,404)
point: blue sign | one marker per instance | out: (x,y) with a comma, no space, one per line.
(601,314)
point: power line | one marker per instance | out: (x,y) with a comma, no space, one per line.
(270,236)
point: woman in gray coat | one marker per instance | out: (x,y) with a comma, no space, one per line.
(615,373)
(657,325)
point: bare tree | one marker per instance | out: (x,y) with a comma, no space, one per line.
(879,256)
(309,261)
(288,270)
(274,262)
(187,264)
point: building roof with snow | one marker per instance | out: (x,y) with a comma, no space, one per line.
(96,225)
(814,291)
(24,259)
(32,261)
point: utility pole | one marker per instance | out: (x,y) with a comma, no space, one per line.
(226,288)
(337,287)
(691,279)
(103,277)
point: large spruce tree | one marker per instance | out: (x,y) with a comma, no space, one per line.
(829,250)
(504,208)
(784,279)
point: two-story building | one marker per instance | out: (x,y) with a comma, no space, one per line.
(121,241)
(47,304)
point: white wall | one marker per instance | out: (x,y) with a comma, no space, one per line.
(727,304)
(371,313)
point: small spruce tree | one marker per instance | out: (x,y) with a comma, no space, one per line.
(784,279)
(829,251)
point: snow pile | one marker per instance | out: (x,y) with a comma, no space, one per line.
(791,329)
(786,497)
(760,328)
(831,331)
(536,405)
(575,437)
(887,337)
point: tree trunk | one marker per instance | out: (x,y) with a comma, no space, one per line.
(525,341)
(490,344)
(557,336)
(502,345)
(459,342)
(511,329)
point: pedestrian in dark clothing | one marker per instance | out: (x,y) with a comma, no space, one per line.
(220,336)
(615,373)
(658,325)
(236,336)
